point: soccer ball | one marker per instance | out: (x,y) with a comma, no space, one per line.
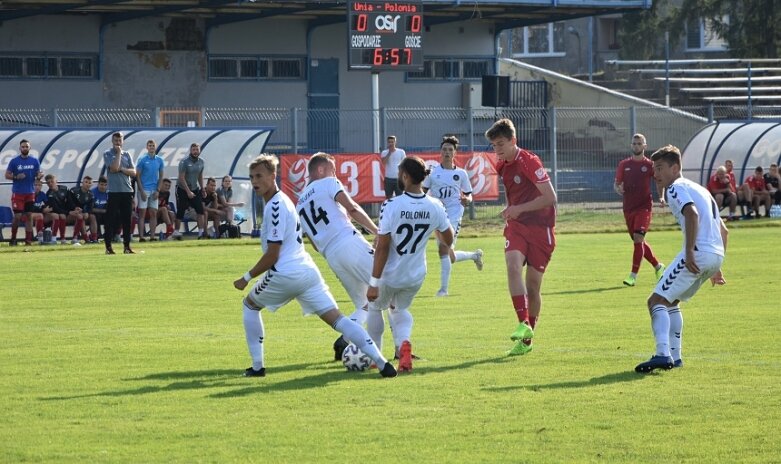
(354,359)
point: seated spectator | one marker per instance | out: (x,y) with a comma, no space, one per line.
(41,213)
(81,201)
(225,195)
(211,206)
(58,199)
(165,214)
(772,179)
(97,218)
(743,192)
(759,192)
(719,187)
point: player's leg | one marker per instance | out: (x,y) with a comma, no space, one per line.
(445,266)
(126,219)
(352,331)
(152,208)
(254,333)
(675,334)
(402,322)
(142,219)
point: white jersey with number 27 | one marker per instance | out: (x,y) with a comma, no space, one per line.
(410,220)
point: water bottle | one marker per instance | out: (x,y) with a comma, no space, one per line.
(775,211)
(47,235)
(162,236)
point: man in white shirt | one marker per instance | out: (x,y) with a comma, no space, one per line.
(391,158)
(705,242)
(286,271)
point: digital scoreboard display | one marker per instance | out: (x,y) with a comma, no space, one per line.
(385,36)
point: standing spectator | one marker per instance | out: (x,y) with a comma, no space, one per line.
(211,205)
(225,194)
(450,185)
(59,200)
(529,231)
(759,192)
(97,218)
(391,158)
(326,211)
(23,170)
(165,211)
(772,179)
(119,209)
(633,183)
(288,272)
(704,245)
(406,223)
(188,189)
(719,187)
(149,172)
(81,203)
(41,212)
(743,192)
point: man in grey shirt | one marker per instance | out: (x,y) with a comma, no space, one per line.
(119,209)
(188,189)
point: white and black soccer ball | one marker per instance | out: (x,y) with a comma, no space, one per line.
(354,359)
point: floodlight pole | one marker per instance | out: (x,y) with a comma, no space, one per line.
(375,112)
(667,69)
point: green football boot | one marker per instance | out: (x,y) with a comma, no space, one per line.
(523,331)
(520,349)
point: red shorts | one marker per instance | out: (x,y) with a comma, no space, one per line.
(536,243)
(21,202)
(637,221)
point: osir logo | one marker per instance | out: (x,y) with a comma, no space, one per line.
(297,176)
(480,175)
(387,23)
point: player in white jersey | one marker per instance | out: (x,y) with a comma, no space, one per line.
(288,272)
(450,185)
(704,246)
(325,210)
(406,223)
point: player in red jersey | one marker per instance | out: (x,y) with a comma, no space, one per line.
(721,190)
(530,218)
(633,183)
(759,192)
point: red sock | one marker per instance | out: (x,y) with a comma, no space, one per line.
(63,226)
(648,254)
(77,228)
(28,236)
(169,229)
(637,257)
(521,305)
(14,229)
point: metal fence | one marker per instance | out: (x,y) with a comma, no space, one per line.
(581,146)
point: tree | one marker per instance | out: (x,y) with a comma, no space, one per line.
(641,33)
(752,27)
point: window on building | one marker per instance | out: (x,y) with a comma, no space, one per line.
(700,36)
(539,40)
(256,67)
(450,69)
(46,65)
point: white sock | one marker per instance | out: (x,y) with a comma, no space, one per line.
(444,275)
(676,330)
(360,338)
(375,326)
(464,255)
(253,330)
(358,316)
(402,325)
(660,324)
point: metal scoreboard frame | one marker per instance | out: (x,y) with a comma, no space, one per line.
(385,35)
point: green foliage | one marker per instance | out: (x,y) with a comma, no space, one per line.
(641,33)
(137,358)
(751,27)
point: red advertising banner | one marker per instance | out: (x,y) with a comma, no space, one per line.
(362,174)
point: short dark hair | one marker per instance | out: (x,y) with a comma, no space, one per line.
(86,178)
(117,134)
(758,169)
(23,141)
(669,154)
(451,139)
(166,181)
(102,180)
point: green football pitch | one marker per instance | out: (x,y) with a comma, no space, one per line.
(139,359)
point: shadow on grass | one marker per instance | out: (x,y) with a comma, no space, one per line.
(585,290)
(616,377)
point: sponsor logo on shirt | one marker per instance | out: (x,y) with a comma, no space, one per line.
(517,179)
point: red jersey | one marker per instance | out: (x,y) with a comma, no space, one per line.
(732,185)
(636,177)
(715,184)
(520,178)
(756,184)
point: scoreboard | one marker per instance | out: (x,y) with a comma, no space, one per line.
(385,35)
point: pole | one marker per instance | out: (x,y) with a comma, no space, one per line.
(375,112)
(591,49)
(667,69)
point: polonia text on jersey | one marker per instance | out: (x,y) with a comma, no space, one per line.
(415,215)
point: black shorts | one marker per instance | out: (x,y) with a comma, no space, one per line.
(183,202)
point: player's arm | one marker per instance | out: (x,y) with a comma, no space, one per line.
(548,198)
(718,277)
(692,222)
(356,212)
(269,258)
(9,175)
(381,252)
(183,183)
(131,171)
(446,236)
(140,185)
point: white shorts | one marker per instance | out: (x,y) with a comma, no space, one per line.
(274,290)
(400,297)
(455,223)
(678,283)
(352,265)
(149,203)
